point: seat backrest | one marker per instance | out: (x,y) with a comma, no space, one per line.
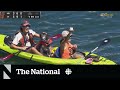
(8,40)
(57,53)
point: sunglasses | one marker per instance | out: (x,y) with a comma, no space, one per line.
(26,26)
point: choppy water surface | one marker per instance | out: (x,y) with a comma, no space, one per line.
(90,27)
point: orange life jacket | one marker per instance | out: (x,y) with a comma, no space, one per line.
(67,51)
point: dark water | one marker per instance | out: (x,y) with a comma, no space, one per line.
(90,27)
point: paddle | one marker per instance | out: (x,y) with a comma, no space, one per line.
(55,37)
(102,43)
(11,55)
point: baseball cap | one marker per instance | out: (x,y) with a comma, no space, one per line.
(25,23)
(65,33)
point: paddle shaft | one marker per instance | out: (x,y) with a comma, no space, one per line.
(92,51)
(9,56)
(103,42)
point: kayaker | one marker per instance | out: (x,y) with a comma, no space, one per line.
(23,40)
(44,45)
(67,49)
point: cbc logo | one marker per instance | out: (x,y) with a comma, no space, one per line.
(68,71)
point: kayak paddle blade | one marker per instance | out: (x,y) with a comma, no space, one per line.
(104,42)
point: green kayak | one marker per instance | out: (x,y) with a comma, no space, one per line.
(50,60)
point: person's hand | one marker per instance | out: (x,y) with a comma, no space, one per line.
(75,45)
(71,29)
(24,48)
(44,33)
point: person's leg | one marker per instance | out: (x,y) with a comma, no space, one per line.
(34,50)
(78,55)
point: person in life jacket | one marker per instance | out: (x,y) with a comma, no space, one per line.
(67,49)
(44,45)
(23,40)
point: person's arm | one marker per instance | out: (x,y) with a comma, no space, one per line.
(15,43)
(37,35)
(34,33)
(18,47)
